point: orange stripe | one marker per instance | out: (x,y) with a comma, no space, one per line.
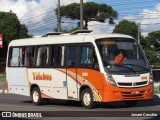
(6,85)
(45,96)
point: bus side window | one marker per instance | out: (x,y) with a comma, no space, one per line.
(29,56)
(59,55)
(42,56)
(72,57)
(88,57)
(22,56)
(52,60)
(15,57)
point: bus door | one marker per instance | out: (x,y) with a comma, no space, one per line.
(72,62)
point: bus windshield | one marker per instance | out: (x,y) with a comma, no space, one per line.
(122,55)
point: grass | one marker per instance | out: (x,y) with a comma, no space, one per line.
(157,92)
(2,77)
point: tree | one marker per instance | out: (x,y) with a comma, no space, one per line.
(153,48)
(12,29)
(127,27)
(92,10)
(131,28)
(154,39)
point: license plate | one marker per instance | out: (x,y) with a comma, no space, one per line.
(135,92)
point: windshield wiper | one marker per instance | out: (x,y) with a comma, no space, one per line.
(126,66)
(123,66)
(140,66)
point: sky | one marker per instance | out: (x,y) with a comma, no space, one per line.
(39,17)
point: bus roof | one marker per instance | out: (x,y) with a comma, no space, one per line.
(62,39)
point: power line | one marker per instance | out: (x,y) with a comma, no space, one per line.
(46,25)
(51,10)
(40,24)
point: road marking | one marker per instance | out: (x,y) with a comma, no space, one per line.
(35,107)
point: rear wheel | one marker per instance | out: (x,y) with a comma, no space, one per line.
(131,103)
(87,99)
(36,96)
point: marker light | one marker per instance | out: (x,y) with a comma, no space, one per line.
(111,81)
(151,78)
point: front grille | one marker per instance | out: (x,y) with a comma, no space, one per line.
(141,83)
(124,84)
(128,95)
(132,84)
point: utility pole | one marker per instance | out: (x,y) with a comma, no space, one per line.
(58,18)
(139,32)
(81,14)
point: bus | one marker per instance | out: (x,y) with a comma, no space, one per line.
(79,67)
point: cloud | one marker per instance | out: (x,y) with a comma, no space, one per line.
(39,16)
(65,2)
(20,7)
(149,19)
(99,27)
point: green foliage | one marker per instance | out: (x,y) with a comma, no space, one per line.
(130,28)
(153,38)
(127,27)
(152,57)
(92,10)
(70,11)
(12,29)
(154,51)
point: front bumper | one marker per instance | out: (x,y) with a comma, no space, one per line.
(112,93)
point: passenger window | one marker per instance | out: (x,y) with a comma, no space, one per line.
(29,56)
(72,57)
(59,55)
(88,57)
(42,56)
(22,56)
(15,57)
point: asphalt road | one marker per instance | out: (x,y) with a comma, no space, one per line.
(18,103)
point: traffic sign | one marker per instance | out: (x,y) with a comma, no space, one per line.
(1,40)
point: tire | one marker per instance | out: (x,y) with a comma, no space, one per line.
(131,103)
(87,99)
(36,97)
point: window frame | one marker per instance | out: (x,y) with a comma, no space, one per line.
(89,44)
(77,55)
(78,45)
(57,66)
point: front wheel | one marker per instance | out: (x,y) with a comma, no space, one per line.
(131,103)
(87,99)
(36,96)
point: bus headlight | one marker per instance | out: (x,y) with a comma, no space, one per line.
(150,79)
(112,81)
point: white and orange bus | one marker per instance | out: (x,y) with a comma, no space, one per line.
(79,67)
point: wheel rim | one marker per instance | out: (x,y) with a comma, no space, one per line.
(86,99)
(35,96)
